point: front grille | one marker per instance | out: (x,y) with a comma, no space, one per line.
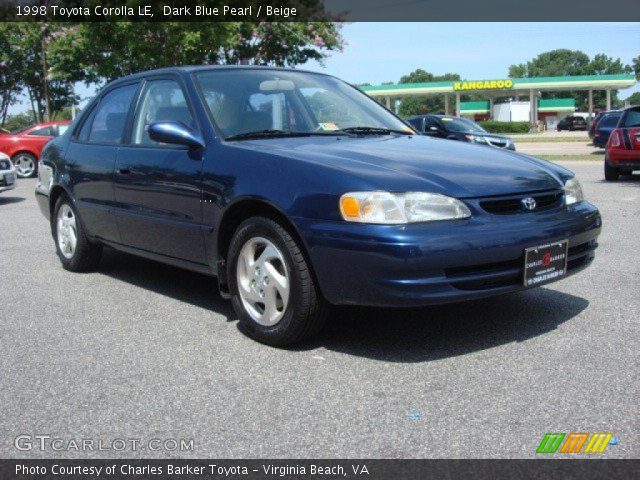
(503,274)
(511,205)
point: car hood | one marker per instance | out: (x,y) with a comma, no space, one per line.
(404,163)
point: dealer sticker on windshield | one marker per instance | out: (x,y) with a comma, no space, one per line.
(545,263)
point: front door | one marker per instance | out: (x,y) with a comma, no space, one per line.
(158,186)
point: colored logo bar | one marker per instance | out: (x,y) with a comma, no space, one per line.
(574,442)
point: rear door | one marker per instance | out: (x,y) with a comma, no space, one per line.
(91,157)
(158,186)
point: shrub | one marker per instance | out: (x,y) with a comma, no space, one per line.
(505,127)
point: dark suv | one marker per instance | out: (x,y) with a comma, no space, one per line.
(606,125)
(297,191)
(572,123)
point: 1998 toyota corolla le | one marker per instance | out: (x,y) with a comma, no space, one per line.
(297,190)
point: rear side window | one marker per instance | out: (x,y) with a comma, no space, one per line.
(610,120)
(111,114)
(632,118)
(162,101)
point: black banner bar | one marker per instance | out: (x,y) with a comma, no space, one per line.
(317,10)
(555,469)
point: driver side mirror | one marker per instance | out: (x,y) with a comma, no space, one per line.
(175,133)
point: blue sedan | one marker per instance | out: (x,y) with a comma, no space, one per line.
(297,191)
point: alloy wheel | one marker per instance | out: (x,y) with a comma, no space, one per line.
(263,281)
(67,232)
(25,165)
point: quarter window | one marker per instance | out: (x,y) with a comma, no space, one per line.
(162,101)
(42,132)
(111,115)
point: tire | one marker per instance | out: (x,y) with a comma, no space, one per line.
(66,226)
(26,164)
(293,319)
(611,174)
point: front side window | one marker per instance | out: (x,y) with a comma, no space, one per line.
(111,115)
(461,125)
(161,101)
(243,101)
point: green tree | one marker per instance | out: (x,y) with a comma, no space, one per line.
(634,99)
(32,52)
(564,62)
(635,64)
(10,70)
(98,52)
(426,104)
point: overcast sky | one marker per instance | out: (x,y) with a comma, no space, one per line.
(382,52)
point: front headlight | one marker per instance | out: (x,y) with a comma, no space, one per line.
(477,139)
(573,191)
(398,208)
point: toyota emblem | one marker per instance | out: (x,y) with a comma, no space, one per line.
(529,203)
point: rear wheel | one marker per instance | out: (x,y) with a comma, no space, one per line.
(273,291)
(76,252)
(611,174)
(26,164)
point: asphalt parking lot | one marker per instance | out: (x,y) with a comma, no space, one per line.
(141,350)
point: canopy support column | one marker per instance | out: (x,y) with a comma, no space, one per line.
(457,104)
(533,109)
(388,102)
(590,105)
(446,104)
(608,99)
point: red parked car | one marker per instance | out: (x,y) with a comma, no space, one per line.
(623,147)
(24,146)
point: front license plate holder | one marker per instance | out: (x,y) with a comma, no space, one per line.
(545,263)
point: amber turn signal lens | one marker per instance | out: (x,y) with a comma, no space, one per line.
(350,207)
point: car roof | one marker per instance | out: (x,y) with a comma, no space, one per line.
(51,124)
(198,68)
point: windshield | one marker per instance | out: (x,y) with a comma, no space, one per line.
(245,101)
(461,125)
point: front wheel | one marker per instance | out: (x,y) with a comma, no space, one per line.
(26,164)
(273,290)
(611,174)
(76,252)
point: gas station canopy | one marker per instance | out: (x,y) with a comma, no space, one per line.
(504,87)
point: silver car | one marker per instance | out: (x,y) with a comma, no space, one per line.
(7,173)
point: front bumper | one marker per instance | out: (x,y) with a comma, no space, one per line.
(7,180)
(441,262)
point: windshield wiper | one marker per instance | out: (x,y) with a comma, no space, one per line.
(281,134)
(372,131)
(267,134)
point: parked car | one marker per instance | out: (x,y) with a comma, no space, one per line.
(24,146)
(297,191)
(623,148)
(7,173)
(605,126)
(572,122)
(456,128)
(594,123)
